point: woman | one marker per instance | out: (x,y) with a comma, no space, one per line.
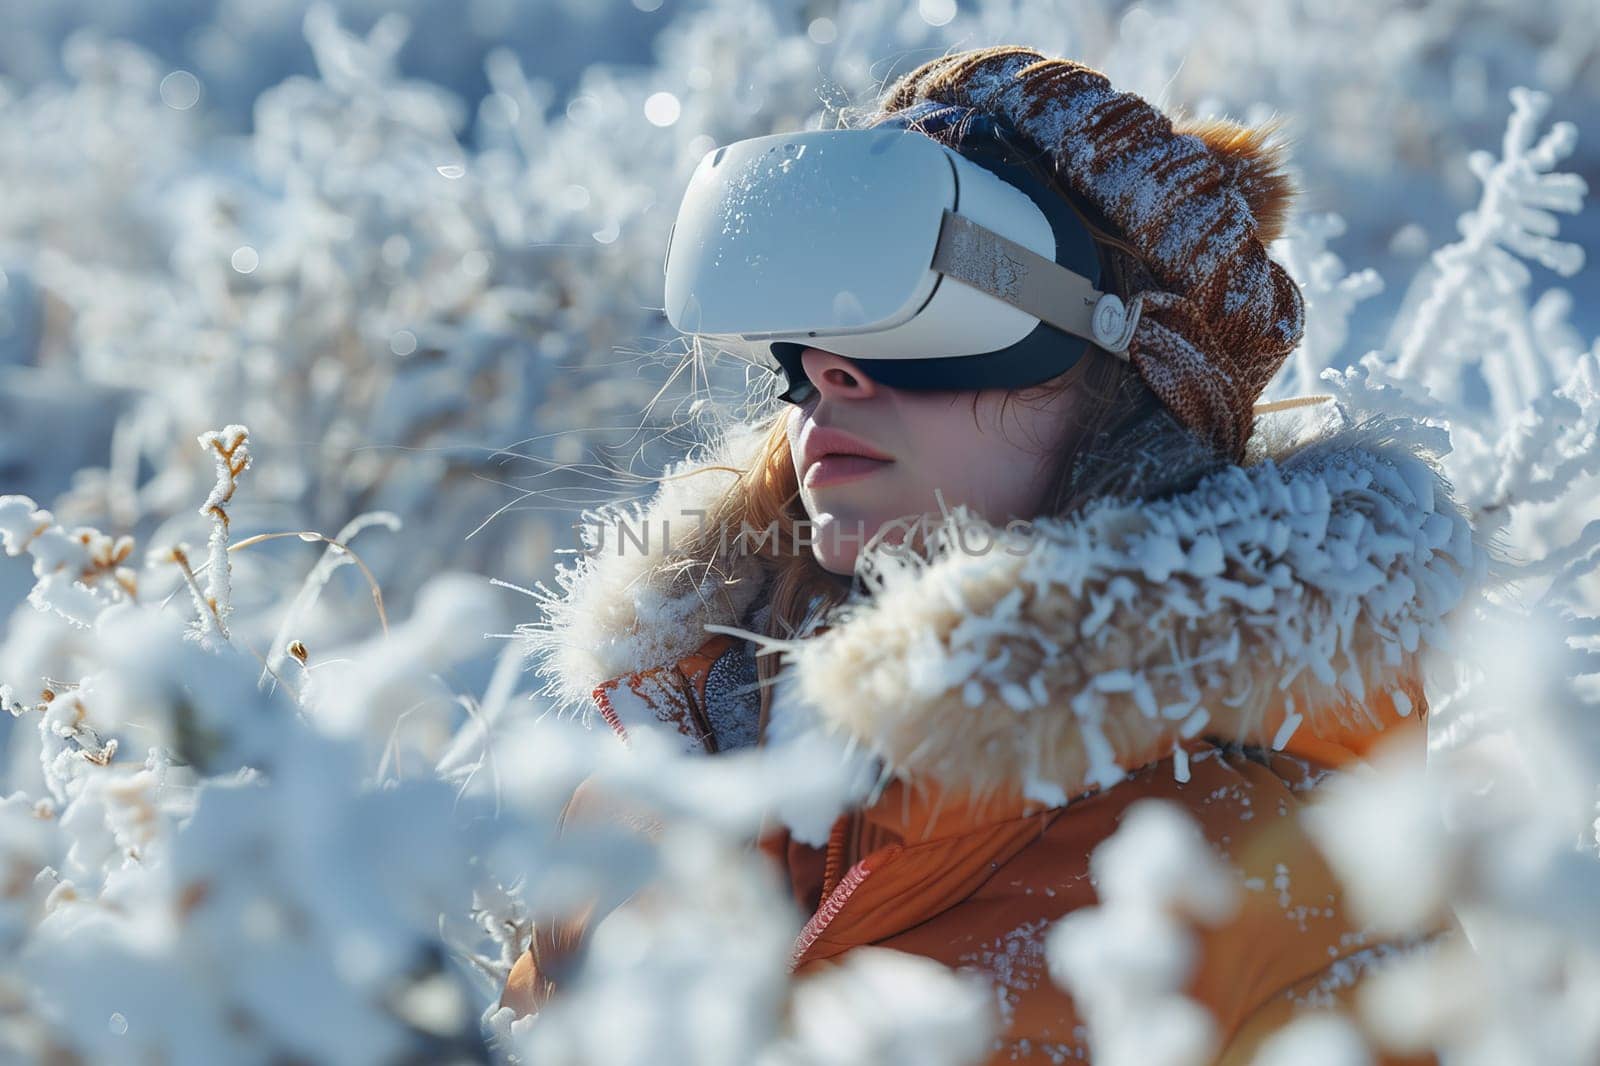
(1195,606)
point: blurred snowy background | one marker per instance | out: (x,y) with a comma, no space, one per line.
(415,249)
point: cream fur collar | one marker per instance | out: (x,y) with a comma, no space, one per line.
(1292,587)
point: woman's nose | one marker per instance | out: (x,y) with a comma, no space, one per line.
(834,374)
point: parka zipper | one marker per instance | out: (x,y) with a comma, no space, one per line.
(842,873)
(844,847)
(834,902)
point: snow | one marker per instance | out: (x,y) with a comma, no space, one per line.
(881,1005)
(447,324)
(1326,1039)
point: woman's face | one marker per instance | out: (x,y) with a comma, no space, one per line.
(933,440)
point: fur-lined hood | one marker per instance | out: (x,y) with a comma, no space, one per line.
(1285,594)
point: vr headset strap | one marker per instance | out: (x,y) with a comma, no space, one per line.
(1048,291)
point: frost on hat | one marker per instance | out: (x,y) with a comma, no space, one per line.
(1199,201)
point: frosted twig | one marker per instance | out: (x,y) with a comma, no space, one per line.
(231,453)
(208,627)
(77,573)
(1331,295)
(1514,211)
(476,717)
(337,548)
(1551,444)
(336,555)
(63,719)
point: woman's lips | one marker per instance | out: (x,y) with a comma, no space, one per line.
(837,468)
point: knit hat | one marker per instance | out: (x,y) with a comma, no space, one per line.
(1198,201)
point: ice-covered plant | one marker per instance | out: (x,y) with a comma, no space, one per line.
(1331,296)
(1518,396)
(1499,833)
(181,906)
(1127,960)
(77,573)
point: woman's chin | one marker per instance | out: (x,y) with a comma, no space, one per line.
(839,563)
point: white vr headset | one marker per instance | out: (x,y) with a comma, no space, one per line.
(931,268)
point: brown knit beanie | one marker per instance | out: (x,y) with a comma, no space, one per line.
(1199,202)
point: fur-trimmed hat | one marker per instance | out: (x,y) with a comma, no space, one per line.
(1199,199)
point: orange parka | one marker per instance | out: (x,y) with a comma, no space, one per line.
(1226,650)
